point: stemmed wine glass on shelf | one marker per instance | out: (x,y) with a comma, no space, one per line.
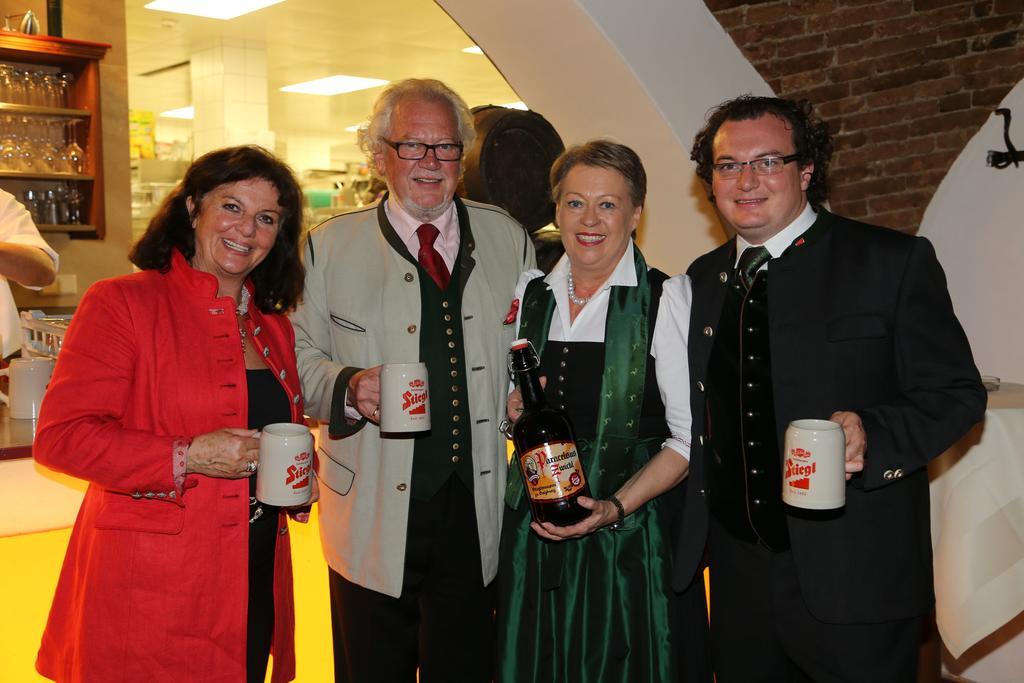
(74,154)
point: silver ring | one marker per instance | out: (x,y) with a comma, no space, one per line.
(376,412)
(251,466)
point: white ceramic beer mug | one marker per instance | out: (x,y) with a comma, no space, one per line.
(286,463)
(814,465)
(404,398)
(28,380)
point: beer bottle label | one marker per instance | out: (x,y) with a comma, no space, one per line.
(552,471)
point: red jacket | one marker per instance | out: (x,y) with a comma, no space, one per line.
(154,583)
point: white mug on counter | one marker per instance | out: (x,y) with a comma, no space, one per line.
(814,465)
(404,398)
(28,380)
(286,462)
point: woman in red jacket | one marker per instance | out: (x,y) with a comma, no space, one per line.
(174,571)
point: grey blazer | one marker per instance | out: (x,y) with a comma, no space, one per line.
(361,308)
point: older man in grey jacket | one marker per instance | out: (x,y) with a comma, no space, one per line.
(410,526)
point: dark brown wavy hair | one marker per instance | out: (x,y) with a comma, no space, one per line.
(811,138)
(278,279)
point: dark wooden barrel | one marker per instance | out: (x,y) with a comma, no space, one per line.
(508,164)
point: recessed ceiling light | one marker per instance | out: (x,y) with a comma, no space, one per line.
(220,9)
(334,85)
(188,112)
(473,50)
(516,105)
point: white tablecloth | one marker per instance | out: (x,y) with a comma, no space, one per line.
(977,513)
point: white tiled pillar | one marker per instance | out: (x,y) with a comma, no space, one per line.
(229,93)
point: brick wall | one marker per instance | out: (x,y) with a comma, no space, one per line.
(904,84)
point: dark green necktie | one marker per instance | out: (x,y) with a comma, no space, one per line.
(751,259)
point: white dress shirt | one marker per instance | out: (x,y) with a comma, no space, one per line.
(668,347)
(780,241)
(447,243)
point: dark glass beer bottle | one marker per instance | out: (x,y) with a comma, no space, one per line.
(545,447)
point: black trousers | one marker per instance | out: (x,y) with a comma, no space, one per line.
(761,629)
(443,622)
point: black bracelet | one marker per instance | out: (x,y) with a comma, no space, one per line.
(617,524)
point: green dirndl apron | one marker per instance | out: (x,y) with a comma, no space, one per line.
(597,608)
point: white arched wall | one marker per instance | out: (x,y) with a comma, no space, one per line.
(974,220)
(642,73)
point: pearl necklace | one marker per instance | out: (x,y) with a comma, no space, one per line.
(578,300)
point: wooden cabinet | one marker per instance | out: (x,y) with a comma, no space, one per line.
(80,59)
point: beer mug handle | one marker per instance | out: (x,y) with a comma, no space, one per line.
(5,372)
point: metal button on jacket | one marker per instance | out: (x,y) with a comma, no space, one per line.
(409,277)
(708,331)
(723,277)
(411,329)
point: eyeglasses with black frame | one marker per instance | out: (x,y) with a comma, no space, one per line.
(414,151)
(769,165)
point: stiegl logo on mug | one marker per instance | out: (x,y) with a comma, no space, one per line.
(414,399)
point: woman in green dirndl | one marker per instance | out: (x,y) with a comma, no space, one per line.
(593,601)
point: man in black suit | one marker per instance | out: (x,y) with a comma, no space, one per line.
(806,314)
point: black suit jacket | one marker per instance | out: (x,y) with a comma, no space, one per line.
(861,320)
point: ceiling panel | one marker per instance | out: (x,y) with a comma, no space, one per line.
(306,39)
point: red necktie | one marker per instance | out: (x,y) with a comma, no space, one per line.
(429,258)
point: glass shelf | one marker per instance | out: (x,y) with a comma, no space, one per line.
(50,112)
(26,175)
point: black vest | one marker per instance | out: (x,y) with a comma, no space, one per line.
(573,371)
(744,466)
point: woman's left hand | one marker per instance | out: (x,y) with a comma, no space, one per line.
(602,514)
